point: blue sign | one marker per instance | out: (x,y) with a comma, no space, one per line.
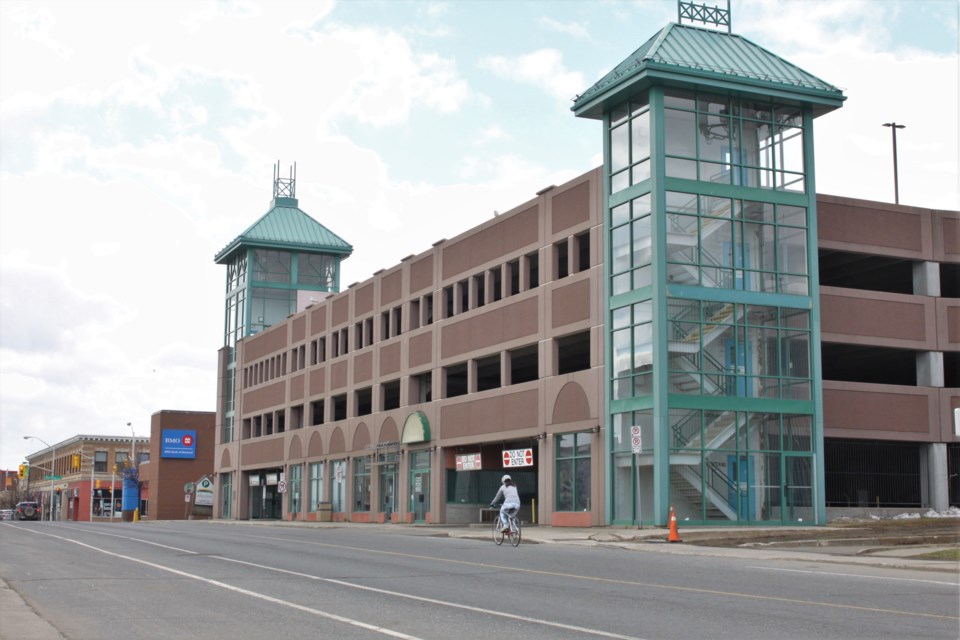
(175,443)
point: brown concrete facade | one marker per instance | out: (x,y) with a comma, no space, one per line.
(165,477)
(439,336)
(924,321)
(504,320)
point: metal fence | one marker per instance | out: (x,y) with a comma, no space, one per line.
(869,473)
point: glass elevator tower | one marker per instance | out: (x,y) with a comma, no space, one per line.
(712,305)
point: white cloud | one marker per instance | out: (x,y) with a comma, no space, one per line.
(574,29)
(543,69)
(37,24)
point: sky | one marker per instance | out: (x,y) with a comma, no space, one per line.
(137,139)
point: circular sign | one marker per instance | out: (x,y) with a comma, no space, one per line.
(528,457)
(637,442)
(188,440)
(282,486)
(506,459)
(188,488)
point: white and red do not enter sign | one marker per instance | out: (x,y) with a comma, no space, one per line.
(518,457)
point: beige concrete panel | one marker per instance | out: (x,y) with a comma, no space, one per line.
(874,227)
(421,273)
(318,319)
(891,412)
(509,322)
(949,401)
(338,375)
(946,236)
(496,414)
(389,359)
(298,328)
(297,384)
(315,445)
(295,450)
(269,395)
(948,324)
(226,462)
(570,303)
(363,367)
(503,235)
(266,342)
(363,299)
(262,451)
(340,309)
(569,207)
(318,381)
(883,319)
(391,287)
(420,349)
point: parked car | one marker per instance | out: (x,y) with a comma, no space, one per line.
(6,514)
(27,511)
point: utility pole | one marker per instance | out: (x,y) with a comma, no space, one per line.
(896,186)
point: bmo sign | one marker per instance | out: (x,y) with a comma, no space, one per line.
(518,457)
(175,443)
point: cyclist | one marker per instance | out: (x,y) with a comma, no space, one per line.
(511,500)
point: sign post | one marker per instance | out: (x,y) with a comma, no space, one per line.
(636,443)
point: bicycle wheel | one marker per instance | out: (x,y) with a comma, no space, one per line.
(497,532)
(515,532)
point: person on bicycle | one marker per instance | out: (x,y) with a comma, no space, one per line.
(511,499)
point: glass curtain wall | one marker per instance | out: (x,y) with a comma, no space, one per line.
(725,223)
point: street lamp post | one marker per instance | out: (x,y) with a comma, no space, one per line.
(53,469)
(896,183)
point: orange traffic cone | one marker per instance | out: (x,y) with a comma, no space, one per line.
(674,535)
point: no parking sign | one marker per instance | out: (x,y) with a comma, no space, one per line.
(636,440)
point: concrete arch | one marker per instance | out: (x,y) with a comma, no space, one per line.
(225,462)
(315,445)
(296,449)
(570,405)
(389,431)
(337,443)
(361,437)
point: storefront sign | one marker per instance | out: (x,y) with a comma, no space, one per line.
(469,462)
(176,443)
(518,457)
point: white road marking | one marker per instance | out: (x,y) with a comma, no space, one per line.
(246,592)
(853,575)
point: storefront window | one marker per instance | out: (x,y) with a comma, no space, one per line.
(573,455)
(316,485)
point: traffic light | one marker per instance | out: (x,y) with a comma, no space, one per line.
(22,471)
(58,491)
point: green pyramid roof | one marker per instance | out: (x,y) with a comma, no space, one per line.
(286,227)
(692,55)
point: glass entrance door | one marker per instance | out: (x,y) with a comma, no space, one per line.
(388,484)
(420,485)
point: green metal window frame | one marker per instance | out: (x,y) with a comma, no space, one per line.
(295,488)
(775,340)
(316,485)
(762,245)
(695,120)
(630,149)
(631,364)
(572,471)
(226,495)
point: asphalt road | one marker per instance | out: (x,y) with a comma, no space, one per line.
(236,581)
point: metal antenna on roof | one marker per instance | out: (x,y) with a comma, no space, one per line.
(284,187)
(702,13)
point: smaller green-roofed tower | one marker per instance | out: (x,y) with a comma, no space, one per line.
(281,264)
(712,344)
